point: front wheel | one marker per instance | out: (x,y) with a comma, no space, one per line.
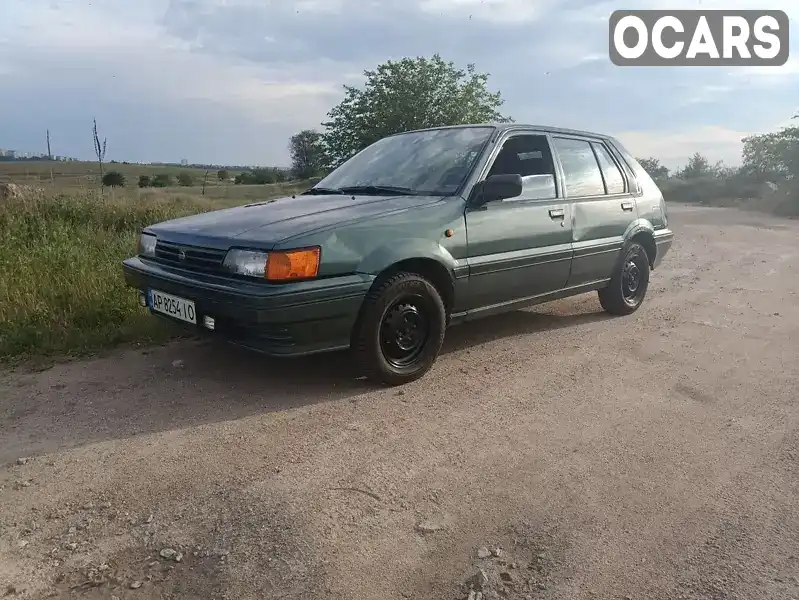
(627,288)
(400,330)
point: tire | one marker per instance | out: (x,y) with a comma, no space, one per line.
(628,285)
(400,329)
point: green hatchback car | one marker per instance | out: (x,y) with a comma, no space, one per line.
(417,232)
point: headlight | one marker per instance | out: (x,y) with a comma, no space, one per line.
(146,245)
(283,265)
(246,262)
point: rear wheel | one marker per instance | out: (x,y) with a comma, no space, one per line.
(627,288)
(400,330)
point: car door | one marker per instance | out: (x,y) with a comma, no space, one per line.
(520,247)
(601,204)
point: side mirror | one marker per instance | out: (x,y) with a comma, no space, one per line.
(498,187)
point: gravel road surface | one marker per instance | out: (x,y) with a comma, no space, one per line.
(554,453)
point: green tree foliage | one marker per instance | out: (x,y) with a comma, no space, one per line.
(161,180)
(113,179)
(411,93)
(772,155)
(222,175)
(307,153)
(144,181)
(261,176)
(698,166)
(185,179)
(653,167)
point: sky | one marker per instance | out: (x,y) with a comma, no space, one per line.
(229,81)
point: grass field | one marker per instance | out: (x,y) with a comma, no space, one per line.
(61,284)
(80,175)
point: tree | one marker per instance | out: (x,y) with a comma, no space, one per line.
(698,166)
(144,181)
(307,153)
(222,175)
(185,179)
(772,155)
(653,167)
(113,179)
(412,93)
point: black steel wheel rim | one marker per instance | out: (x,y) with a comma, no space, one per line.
(405,331)
(632,282)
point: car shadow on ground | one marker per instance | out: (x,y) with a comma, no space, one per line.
(185,384)
(512,324)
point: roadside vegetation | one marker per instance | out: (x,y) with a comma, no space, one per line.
(767,179)
(66,226)
(61,285)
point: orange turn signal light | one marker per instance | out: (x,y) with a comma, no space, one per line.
(293,264)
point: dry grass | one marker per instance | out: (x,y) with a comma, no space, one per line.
(77,175)
(61,284)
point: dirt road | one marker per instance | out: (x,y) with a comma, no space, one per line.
(653,456)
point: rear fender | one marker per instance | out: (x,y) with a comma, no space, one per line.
(644,228)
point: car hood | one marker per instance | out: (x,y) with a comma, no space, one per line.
(267,223)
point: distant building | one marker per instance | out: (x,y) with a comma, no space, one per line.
(184,161)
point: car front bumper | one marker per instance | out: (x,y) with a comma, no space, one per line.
(290,319)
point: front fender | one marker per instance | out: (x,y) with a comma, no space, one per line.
(402,249)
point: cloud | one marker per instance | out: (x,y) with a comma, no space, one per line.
(231,80)
(676,147)
(768,76)
(90,59)
(498,11)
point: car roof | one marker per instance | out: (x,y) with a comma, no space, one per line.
(500,127)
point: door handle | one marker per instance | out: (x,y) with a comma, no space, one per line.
(556,213)
(626,205)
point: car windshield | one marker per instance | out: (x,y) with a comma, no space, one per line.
(434,162)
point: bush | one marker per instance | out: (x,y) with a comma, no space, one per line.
(113,179)
(222,175)
(261,176)
(185,179)
(144,181)
(161,180)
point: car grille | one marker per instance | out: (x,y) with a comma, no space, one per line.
(208,260)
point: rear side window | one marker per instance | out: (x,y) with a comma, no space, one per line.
(614,181)
(634,171)
(581,173)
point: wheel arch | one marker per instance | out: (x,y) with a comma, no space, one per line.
(429,268)
(423,257)
(643,232)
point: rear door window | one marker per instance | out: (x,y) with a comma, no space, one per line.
(581,173)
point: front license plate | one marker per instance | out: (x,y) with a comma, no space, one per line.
(174,306)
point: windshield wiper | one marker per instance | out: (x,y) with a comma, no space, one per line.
(323,190)
(379,190)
